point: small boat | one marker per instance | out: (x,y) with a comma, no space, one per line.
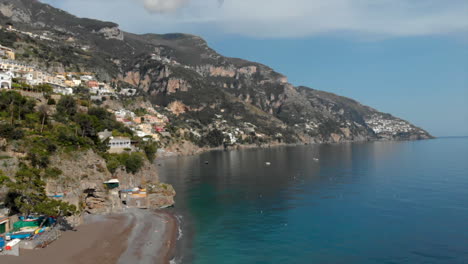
(315,159)
(268,163)
(19,235)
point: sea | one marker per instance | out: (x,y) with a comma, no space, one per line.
(379,202)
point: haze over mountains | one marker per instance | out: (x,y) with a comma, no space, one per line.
(214,91)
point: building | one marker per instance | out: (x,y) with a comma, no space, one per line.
(15,66)
(7,53)
(112,184)
(86,78)
(128,92)
(4,224)
(63,90)
(5,80)
(119,144)
(92,84)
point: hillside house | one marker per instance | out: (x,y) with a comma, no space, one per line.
(70,83)
(119,144)
(86,78)
(7,53)
(128,92)
(15,66)
(5,80)
(63,90)
(92,83)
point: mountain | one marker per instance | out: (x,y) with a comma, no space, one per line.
(212,91)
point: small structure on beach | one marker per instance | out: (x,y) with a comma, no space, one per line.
(135,197)
(4,224)
(112,184)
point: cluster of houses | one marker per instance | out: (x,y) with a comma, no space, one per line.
(151,125)
(234,135)
(382,125)
(63,83)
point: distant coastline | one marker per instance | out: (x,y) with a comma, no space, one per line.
(180,150)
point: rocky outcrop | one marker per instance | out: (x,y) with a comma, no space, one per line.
(160,196)
(111,33)
(175,85)
(16,15)
(82,182)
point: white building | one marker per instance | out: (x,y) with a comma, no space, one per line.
(128,92)
(123,113)
(5,80)
(120,143)
(94,90)
(76,82)
(86,78)
(63,91)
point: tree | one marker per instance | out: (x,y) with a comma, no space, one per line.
(16,105)
(44,88)
(28,190)
(44,115)
(9,131)
(133,162)
(214,138)
(66,106)
(150,148)
(88,124)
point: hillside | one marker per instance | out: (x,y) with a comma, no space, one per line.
(246,100)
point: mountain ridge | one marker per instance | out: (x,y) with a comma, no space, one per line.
(182,67)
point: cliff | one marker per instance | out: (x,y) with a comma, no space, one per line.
(82,178)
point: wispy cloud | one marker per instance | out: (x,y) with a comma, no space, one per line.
(282,18)
(163,6)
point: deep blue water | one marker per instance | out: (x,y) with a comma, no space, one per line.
(383,202)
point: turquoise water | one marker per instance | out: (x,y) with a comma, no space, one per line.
(383,202)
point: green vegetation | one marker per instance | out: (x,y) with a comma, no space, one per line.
(214,138)
(132,162)
(37,132)
(27,195)
(150,148)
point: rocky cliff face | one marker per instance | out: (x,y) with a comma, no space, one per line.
(219,92)
(82,183)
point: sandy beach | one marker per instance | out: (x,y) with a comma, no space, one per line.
(134,236)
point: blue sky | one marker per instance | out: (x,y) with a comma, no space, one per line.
(405,57)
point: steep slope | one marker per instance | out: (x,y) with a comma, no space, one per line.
(214,89)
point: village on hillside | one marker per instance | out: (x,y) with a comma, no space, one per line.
(29,79)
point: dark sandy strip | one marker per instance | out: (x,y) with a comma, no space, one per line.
(135,236)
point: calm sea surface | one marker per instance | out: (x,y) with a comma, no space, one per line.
(384,202)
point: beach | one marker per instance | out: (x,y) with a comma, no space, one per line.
(134,236)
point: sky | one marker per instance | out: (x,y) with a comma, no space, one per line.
(405,57)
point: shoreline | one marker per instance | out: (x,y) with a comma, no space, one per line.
(167,153)
(135,235)
(168,250)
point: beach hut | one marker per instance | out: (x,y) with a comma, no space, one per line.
(4,224)
(112,184)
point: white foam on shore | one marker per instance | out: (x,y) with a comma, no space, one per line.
(179,227)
